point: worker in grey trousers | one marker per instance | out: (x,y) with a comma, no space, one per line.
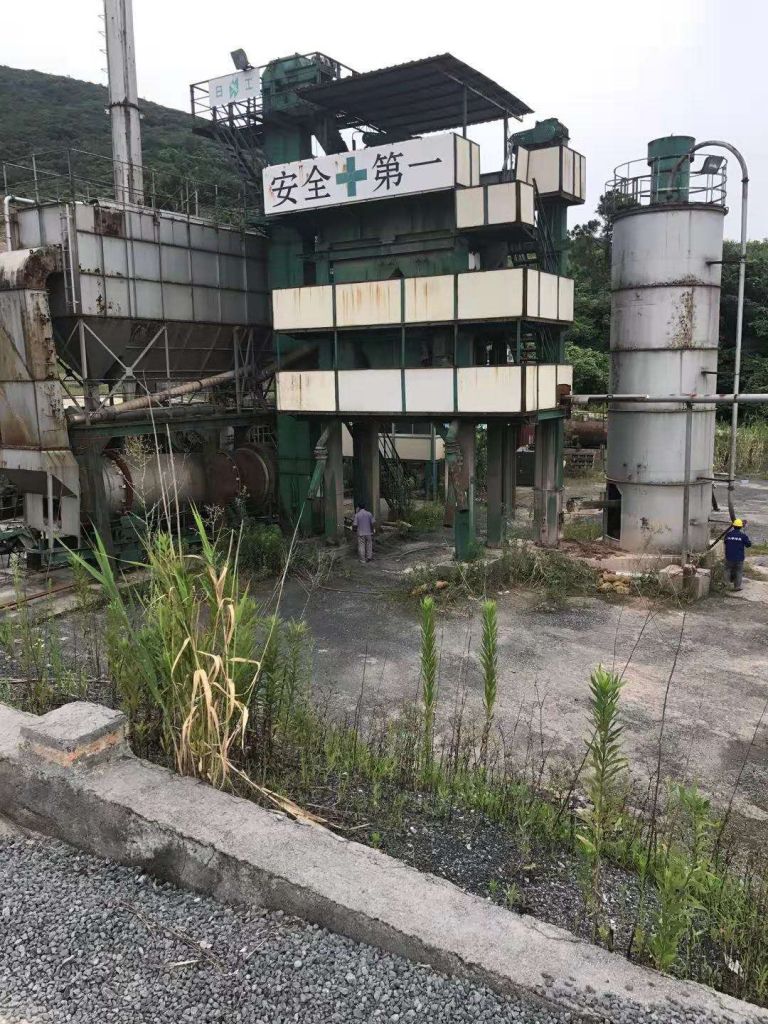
(365,525)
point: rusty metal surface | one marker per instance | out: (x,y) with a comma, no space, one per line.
(28,268)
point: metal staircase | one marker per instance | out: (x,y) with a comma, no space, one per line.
(537,250)
(248,157)
(393,477)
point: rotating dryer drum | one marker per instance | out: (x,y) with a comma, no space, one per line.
(665,280)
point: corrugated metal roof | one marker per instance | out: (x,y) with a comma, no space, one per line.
(421,96)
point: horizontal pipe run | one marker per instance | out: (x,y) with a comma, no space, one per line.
(189,387)
(671,399)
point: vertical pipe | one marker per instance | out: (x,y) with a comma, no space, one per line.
(464,112)
(687,484)
(236,357)
(739,330)
(49,501)
(433,462)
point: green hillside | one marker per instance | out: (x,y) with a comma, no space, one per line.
(50,113)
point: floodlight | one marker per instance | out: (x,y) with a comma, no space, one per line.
(240,60)
(712,164)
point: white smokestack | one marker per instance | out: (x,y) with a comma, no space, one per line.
(124,101)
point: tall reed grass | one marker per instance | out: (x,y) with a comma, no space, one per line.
(751,449)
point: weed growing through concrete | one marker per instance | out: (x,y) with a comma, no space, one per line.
(428,673)
(520,564)
(605,764)
(489,662)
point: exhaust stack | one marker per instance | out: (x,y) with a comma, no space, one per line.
(124,101)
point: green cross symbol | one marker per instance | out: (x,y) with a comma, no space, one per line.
(350,177)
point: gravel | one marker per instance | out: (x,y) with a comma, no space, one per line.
(487,859)
(86,940)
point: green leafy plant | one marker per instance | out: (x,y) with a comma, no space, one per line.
(185,664)
(428,674)
(489,662)
(605,764)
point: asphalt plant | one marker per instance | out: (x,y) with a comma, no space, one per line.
(489,663)
(605,764)
(428,662)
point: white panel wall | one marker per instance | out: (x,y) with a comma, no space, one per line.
(470,204)
(429,298)
(492,293)
(474,149)
(482,295)
(429,390)
(526,203)
(565,298)
(547,386)
(306,391)
(565,374)
(367,303)
(531,388)
(463,162)
(532,293)
(370,391)
(418,448)
(302,308)
(548,296)
(544,169)
(490,389)
(502,203)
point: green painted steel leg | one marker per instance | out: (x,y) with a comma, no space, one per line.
(548,482)
(366,482)
(495,489)
(333,486)
(464,477)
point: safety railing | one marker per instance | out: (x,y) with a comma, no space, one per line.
(76,175)
(246,112)
(635,184)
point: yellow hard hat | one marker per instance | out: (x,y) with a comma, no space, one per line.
(737,522)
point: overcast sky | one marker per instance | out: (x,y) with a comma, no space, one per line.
(617,74)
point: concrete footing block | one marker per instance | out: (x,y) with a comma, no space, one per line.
(80,733)
(69,775)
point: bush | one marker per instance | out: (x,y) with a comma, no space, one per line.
(751,448)
(427,517)
(261,549)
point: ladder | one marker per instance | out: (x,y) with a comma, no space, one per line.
(393,478)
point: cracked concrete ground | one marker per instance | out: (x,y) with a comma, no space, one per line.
(713,733)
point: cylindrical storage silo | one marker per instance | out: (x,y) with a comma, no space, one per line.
(665,279)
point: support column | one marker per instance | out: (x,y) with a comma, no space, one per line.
(495,489)
(548,482)
(510,442)
(463,476)
(365,444)
(94,498)
(333,486)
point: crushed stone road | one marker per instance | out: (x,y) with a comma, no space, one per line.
(83,940)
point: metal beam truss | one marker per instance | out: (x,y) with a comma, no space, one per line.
(248,391)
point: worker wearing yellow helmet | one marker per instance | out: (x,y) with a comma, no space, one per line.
(735,543)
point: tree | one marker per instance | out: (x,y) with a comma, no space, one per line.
(590,369)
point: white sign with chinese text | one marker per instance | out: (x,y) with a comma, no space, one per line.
(419,165)
(242,85)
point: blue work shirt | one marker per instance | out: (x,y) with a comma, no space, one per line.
(364,523)
(735,542)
